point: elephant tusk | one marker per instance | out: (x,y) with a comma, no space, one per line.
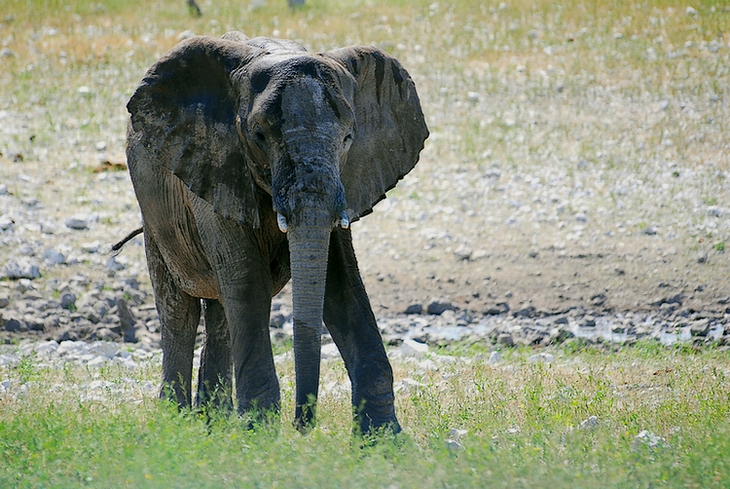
(344,220)
(281,222)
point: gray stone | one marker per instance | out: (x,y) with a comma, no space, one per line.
(278,319)
(526,312)
(4,301)
(34,323)
(18,268)
(92,247)
(505,339)
(414,309)
(589,423)
(51,322)
(439,306)
(52,257)
(494,358)
(700,327)
(453,445)
(499,308)
(68,300)
(48,227)
(15,325)
(77,222)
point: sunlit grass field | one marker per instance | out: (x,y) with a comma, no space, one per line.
(646,416)
(662,416)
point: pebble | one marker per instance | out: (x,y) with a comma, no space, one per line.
(77,222)
(589,423)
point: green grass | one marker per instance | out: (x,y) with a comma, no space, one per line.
(522,425)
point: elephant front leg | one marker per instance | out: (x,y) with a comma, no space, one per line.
(179,317)
(351,322)
(214,377)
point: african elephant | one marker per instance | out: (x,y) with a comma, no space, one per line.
(249,159)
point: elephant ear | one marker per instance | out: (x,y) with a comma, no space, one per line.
(389,126)
(183,117)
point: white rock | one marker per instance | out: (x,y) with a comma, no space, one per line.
(68,347)
(100,384)
(411,348)
(690,11)
(106,349)
(589,423)
(494,358)
(46,347)
(330,351)
(541,358)
(48,227)
(20,268)
(453,445)
(116,263)
(52,257)
(408,385)
(78,222)
(9,360)
(92,247)
(97,361)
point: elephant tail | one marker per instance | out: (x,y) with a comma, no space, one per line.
(117,247)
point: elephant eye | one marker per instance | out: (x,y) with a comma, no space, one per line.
(347,140)
(259,138)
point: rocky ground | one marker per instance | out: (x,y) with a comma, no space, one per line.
(551,202)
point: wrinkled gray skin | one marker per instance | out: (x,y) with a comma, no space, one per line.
(229,137)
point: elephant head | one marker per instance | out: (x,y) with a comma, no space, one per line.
(325,134)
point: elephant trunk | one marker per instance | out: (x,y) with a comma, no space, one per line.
(308,248)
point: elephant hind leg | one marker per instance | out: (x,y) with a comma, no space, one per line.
(179,317)
(214,377)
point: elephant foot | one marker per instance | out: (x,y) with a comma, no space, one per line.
(305,418)
(262,419)
(370,419)
(216,399)
(366,425)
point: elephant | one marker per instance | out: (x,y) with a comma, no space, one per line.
(250,158)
